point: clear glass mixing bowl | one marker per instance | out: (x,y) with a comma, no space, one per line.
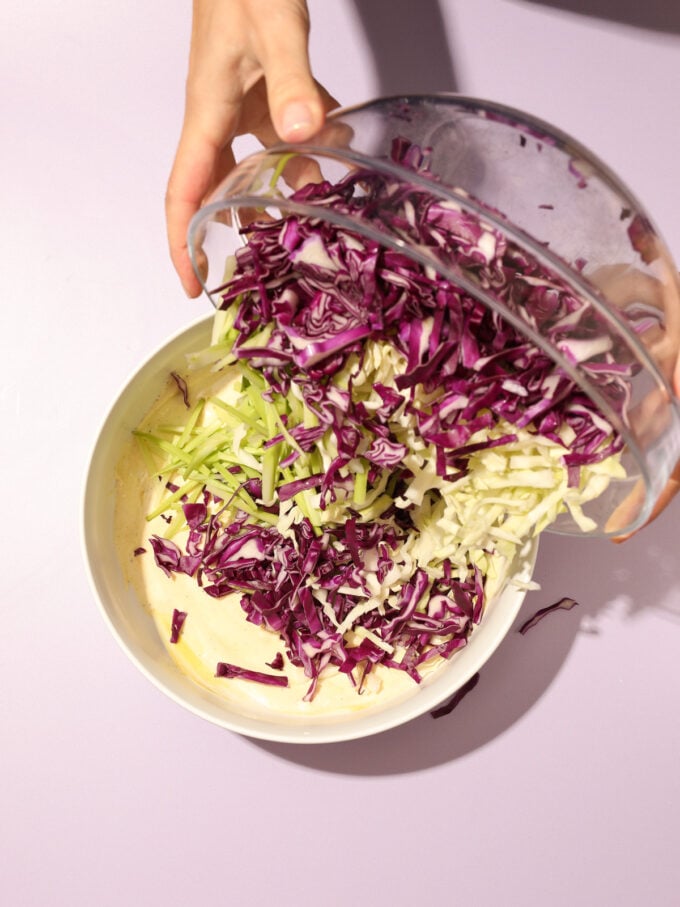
(552,200)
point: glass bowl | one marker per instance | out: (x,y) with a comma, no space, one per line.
(550,200)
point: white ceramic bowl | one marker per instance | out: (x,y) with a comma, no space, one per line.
(134,627)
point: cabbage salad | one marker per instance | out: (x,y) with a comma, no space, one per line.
(381,445)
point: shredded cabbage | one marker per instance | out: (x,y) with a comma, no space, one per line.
(382,444)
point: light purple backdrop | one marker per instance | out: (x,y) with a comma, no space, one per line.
(555,782)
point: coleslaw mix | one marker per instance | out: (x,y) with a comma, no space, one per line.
(367,447)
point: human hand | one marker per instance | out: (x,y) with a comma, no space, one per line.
(672,487)
(623,286)
(669,491)
(249,72)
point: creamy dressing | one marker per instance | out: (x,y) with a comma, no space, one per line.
(216,630)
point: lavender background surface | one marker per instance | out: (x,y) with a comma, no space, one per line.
(557,781)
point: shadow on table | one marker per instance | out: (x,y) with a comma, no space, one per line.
(657,15)
(623,580)
(409,45)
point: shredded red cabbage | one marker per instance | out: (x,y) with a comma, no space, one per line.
(564,604)
(228,670)
(304,586)
(182,387)
(325,291)
(178,618)
(276,664)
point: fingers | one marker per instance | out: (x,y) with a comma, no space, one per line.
(193,173)
(296,105)
(214,94)
(670,490)
(630,507)
(234,44)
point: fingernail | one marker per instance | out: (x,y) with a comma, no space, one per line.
(297,121)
